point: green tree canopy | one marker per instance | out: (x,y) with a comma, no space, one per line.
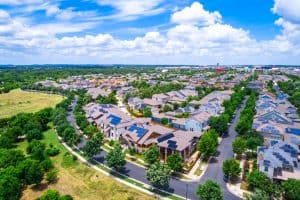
(31,171)
(231,168)
(239,145)
(116,158)
(147,112)
(208,143)
(209,190)
(158,175)
(37,150)
(291,189)
(10,185)
(220,123)
(175,162)
(258,180)
(151,155)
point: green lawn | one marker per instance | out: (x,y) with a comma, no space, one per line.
(79,180)
(17,101)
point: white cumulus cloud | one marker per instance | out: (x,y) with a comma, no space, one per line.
(196,14)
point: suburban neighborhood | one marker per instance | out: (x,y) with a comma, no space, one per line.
(244,111)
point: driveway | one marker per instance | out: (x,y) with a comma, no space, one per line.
(186,189)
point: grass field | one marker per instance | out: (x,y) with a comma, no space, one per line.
(17,101)
(79,180)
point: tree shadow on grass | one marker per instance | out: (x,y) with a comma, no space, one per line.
(40,187)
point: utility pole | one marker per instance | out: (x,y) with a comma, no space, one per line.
(186,191)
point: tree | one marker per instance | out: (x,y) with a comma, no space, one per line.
(254,141)
(239,145)
(90,130)
(231,168)
(31,171)
(258,195)
(10,157)
(167,108)
(116,158)
(209,190)
(37,150)
(291,189)
(93,146)
(34,134)
(158,175)
(147,112)
(50,195)
(174,162)
(54,195)
(219,123)
(6,141)
(10,185)
(259,180)
(151,155)
(164,121)
(207,145)
(98,138)
(51,176)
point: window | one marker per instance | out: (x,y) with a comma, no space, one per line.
(266,169)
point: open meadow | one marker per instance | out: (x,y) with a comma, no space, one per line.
(17,101)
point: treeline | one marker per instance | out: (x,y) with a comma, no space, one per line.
(12,78)
(220,123)
(60,113)
(17,169)
(248,139)
(292,88)
(247,115)
(41,88)
(62,126)
(22,125)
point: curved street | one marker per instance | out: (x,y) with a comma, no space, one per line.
(185,189)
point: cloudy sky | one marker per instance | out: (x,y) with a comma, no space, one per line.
(150,31)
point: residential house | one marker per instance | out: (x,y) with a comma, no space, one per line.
(279,160)
(182,142)
(95,92)
(141,137)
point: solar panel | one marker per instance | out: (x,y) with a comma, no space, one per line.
(293,131)
(165,137)
(114,119)
(267,163)
(273,142)
(295,164)
(172,144)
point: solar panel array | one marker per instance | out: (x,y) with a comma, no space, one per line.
(293,131)
(281,158)
(165,137)
(270,129)
(289,149)
(114,119)
(140,132)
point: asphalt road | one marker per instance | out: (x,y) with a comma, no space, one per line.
(186,189)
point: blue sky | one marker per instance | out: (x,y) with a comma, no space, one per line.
(150,32)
